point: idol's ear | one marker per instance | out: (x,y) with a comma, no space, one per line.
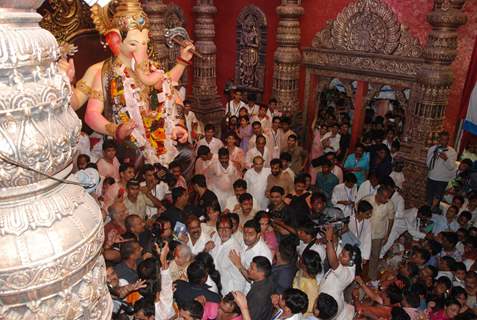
(113,39)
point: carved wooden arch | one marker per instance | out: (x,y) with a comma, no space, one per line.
(365,42)
(67,20)
(251,49)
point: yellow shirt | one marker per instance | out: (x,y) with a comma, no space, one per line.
(309,286)
(381,217)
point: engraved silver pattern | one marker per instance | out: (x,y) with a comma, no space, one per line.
(51,233)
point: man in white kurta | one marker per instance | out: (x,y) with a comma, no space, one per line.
(274,143)
(231,278)
(232,204)
(233,107)
(205,160)
(222,175)
(360,226)
(256,179)
(196,238)
(410,221)
(344,194)
(210,141)
(261,150)
(368,188)
(254,247)
(257,131)
(192,123)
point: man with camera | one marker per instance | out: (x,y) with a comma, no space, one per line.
(441,165)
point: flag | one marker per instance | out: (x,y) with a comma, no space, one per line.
(470,122)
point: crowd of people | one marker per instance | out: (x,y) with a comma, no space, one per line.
(248,223)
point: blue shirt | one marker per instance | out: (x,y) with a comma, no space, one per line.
(362,163)
(326,183)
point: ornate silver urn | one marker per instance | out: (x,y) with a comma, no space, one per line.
(51,233)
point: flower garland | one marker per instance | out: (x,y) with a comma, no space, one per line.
(132,100)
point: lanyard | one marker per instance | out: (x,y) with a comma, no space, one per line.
(275,138)
(349,193)
(358,231)
(235,109)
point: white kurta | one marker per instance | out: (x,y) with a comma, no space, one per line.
(204,167)
(199,246)
(317,247)
(232,203)
(231,278)
(266,122)
(366,189)
(343,193)
(334,142)
(191,119)
(247,255)
(362,232)
(221,181)
(214,144)
(257,185)
(275,143)
(334,283)
(254,152)
(164,308)
(233,109)
(399,206)
(398,178)
(409,222)
(159,191)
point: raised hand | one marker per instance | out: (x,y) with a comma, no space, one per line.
(67,67)
(235,258)
(125,130)
(187,51)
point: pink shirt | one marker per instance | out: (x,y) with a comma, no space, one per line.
(211,310)
(271,240)
(107,169)
(439,315)
(237,156)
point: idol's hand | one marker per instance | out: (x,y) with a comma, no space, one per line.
(68,68)
(180,134)
(125,130)
(186,52)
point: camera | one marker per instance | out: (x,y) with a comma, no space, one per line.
(119,306)
(337,223)
(156,231)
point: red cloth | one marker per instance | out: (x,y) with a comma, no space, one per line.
(211,310)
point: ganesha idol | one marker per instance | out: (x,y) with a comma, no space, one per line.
(129,98)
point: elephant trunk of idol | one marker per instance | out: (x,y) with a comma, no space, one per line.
(143,71)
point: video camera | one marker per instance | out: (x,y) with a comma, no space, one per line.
(337,223)
(333,216)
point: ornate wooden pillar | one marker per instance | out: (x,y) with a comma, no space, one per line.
(204,89)
(358,115)
(155,10)
(286,69)
(431,93)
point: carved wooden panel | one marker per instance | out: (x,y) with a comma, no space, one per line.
(366,38)
(174,17)
(251,49)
